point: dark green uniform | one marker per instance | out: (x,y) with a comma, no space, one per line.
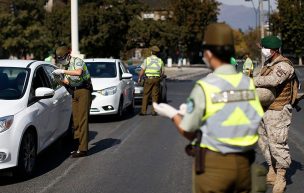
(153,67)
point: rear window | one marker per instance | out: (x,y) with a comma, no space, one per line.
(102,69)
(13,82)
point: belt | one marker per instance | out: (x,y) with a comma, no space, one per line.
(248,154)
(151,77)
(79,87)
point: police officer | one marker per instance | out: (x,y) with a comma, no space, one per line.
(224,107)
(248,66)
(276,74)
(153,68)
(77,80)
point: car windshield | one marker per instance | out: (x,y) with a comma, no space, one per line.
(102,69)
(12,82)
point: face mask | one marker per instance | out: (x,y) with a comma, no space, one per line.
(266,53)
(65,62)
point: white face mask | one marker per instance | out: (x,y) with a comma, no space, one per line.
(266,53)
(65,62)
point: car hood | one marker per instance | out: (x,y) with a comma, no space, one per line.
(10,107)
(102,83)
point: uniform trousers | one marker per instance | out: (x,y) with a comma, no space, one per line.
(228,173)
(274,135)
(151,86)
(81,109)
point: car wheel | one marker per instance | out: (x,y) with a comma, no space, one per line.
(163,95)
(27,155)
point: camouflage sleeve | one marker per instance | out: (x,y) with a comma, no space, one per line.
(195,110)
(281,72)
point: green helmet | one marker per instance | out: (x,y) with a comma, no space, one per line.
(218,34)
(271,42)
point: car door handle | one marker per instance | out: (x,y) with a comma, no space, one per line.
(55,102)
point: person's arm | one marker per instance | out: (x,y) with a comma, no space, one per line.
(142,71)
(76,72)
(280,73)
(177,119)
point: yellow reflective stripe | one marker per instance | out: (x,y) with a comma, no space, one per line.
(240,141)
(236,118)
(209,147)
(211,108)
(233,79)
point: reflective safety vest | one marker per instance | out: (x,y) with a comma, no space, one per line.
(248,65)
(153,66)
(78,80)
(233,113)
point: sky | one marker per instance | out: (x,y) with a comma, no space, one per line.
(249,4)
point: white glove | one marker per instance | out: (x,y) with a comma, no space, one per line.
(165,110)
(58,71)
(182,109)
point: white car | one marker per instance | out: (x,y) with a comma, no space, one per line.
(35,111)
(113,87)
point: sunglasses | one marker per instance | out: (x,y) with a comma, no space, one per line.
(59,58)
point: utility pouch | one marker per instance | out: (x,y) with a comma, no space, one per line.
(258,179)
(200,160)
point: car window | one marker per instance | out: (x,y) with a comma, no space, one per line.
(40,79)
(54,79)
(13,82)
(102,69)
(123,68)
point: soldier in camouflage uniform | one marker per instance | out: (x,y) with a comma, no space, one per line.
(277,74)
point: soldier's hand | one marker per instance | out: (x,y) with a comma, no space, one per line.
(165,110)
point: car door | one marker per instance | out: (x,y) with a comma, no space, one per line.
(62,102)
(42,110)
(127,86)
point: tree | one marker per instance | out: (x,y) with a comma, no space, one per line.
(192,17)
(288,23)
(241,47)
(22,30)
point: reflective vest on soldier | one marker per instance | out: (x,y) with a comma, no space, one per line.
(233,113)
(78,80)
(153,66)
(248,65)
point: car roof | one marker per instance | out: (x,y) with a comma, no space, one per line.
(100,60)
(16,63)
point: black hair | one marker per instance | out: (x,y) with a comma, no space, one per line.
(224,53)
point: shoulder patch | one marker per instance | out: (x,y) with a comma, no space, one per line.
(190,105)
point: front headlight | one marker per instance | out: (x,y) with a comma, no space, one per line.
(108,91)
(6,123)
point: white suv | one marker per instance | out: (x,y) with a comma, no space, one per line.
(35,111)
(113,87)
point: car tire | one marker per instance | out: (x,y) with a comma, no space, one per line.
(27,155)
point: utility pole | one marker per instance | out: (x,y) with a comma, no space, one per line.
(74,29)
(261,10)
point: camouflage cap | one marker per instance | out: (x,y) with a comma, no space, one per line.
(155,49)
(218,34)
(271,42)
(62,51)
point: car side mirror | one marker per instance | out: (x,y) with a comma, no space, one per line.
(126,76)
(44,93)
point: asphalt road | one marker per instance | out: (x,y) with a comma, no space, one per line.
(135,155)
